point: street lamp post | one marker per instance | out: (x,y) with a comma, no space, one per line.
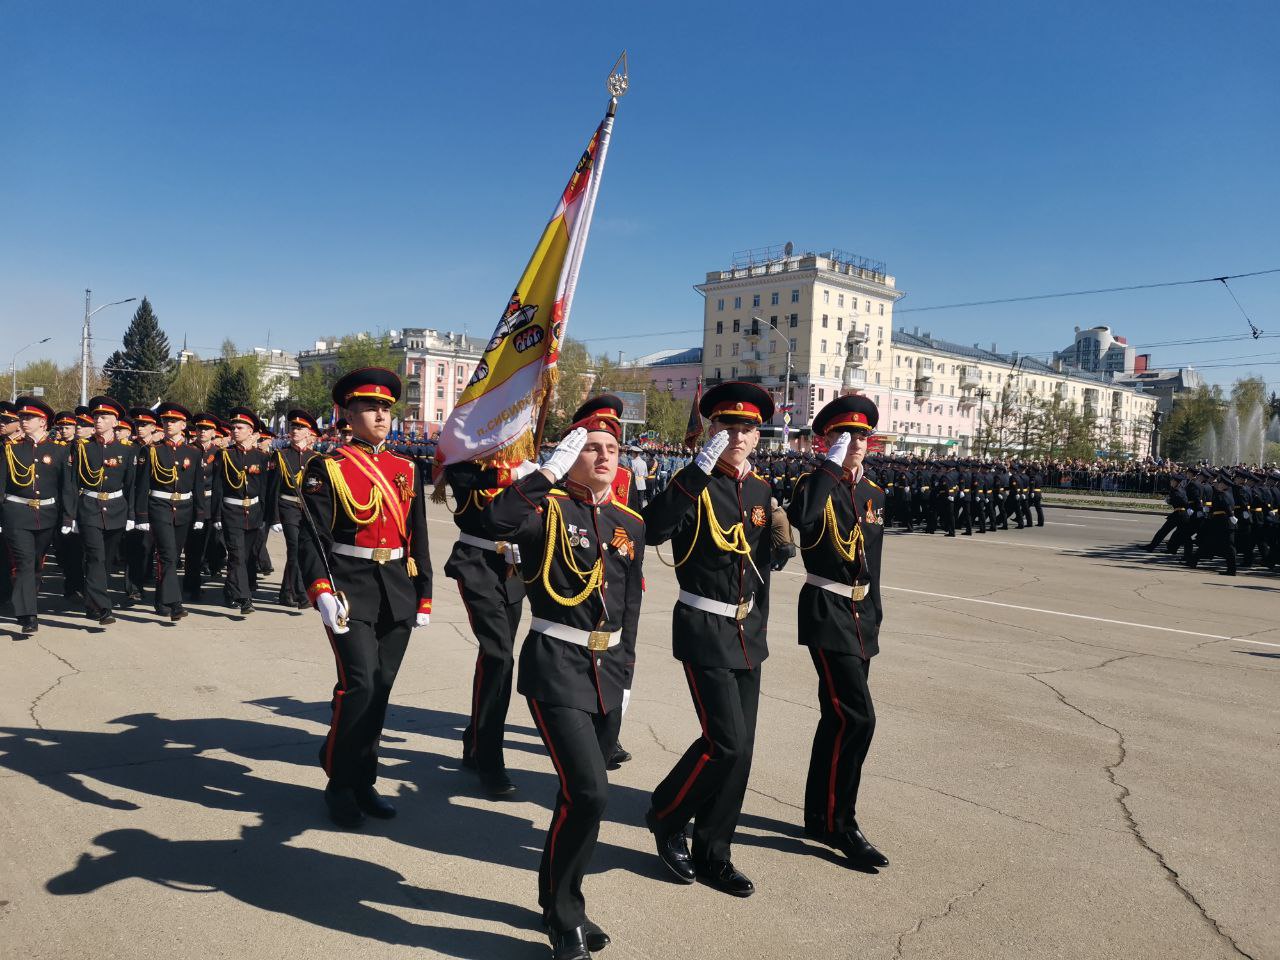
(13,367)
(786,389)
(84,342)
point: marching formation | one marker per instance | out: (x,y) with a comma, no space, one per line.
(570,537)
(1233,514)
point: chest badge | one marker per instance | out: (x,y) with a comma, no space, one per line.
(757,516)
(403,488)
(623,544)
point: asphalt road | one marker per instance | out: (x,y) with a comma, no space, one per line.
(1075,757)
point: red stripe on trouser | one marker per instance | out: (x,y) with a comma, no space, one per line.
(564,792)
(702,760)
(835,749)
(337,705)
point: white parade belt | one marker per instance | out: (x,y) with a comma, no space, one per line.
(240,503)
(98,495)
(289,499)
(499,547)
(379,554)
(33,504)
(596,640)
(164,495)
(854,591)
(736,611)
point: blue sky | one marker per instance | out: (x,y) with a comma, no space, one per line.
(309,169)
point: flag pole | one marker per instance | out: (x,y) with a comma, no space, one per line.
(617,83)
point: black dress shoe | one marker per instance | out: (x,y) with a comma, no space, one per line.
(725,877)
(568,944)
(369,802)
(246,606)
(303,603)
(497,785)
(105,619)
(618,757)
(595,938)
(343,808)
(177,612)
(29,625)
(673,848)
(852,844)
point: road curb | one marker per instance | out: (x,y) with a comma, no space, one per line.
(1083,506)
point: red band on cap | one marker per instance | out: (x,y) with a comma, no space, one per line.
(241,418)
(32,411)
(852,419)
(737,408)
(373,391)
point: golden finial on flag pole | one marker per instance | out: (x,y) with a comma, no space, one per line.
(618,82)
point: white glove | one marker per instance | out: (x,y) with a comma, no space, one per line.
(423,620)
(142,526)
(838,449)
(277,528)
(75,526)
(198,525)
(217,525)
(330,610)
(522,470)
(566,454)
(66,530)
(129,525)
(951,499)
(711,451)
(1234,520)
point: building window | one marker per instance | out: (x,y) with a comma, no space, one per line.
(877,378)
(835,372)
(840,300)
(773,299)
(824,346)
(684,383)
(877,354)
(462,374)
(822,369)
(737,325)
(795,296)
(734,371)
(439,392)
(755,300)
(717,350)
(793,344)
(826,296)
(439,369)
(839,323)
(895,403)
(824,321)
(853,302)
(896,383)
(439,414)
(735,350)
(868,303)
(719,327)
(879,332)
(720,304)
(718,377)
(822,394)
(737,303)
(773,346)
(794,320)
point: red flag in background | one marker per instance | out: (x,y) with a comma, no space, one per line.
(693,432)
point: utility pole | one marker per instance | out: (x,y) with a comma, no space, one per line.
(85,353)
(983,393)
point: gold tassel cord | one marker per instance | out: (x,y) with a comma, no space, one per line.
(163,475)
(846,547)
(556,532)
(20,475)
(731,540)
(345,499)
(235,477)
(87,474)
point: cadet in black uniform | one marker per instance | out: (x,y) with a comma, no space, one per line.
(582,554)
(9,429)
(138,546)
(97,496)
(169,502)
(240,485)
(1217,534)
(716,513)
(286,507)
(366,561)
(67,543)
(1176,517)
(201,539)
(840,517)
(31,471)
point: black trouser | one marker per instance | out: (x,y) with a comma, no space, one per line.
(70,552)
(170,531)
(579,743)
(262,563)
(197,550)
(946,508)
(1035,502)
(709,782)
(494,623)
(905,512)
(291,585)
(100,549)
(840,744)
(368,656)
(966,514)
(242,567)
(138,547)
(6,571)
(1171,523)
(1216,537)
(27,549)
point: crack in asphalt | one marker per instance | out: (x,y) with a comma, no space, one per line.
(1122,799)
(975,803)
(946,912)
(31,708)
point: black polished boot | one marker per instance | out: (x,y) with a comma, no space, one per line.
(369,802)
(568,944)
(618,757)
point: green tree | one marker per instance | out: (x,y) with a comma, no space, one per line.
(312,392)
(231,388)
(139,374)
(575,380)
(59,386)
(665,415)
(192,383)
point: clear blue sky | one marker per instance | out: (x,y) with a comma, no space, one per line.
(317,168)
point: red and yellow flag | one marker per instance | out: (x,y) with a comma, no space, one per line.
(496,415)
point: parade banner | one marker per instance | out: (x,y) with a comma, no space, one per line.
(495,419)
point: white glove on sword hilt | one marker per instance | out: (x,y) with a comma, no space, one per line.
(838,449)
(566,454)
(331,611)
(711,452)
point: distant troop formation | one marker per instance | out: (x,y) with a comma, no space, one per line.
(1227,514)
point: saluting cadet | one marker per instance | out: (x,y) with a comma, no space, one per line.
(840,517)
(582,554)
(485,568)
(9,429)
(716,513)
(286,507)
(97,496)
(240,484)
(201,538)
(169,501)
(366,561)
(31,479)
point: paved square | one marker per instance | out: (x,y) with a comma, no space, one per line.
(1046,785)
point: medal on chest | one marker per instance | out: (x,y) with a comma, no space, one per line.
(577,536)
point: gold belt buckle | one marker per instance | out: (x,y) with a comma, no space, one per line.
(381,554)
(33,504)
(501,546)
(598,640)
(860,591)
(743,609)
